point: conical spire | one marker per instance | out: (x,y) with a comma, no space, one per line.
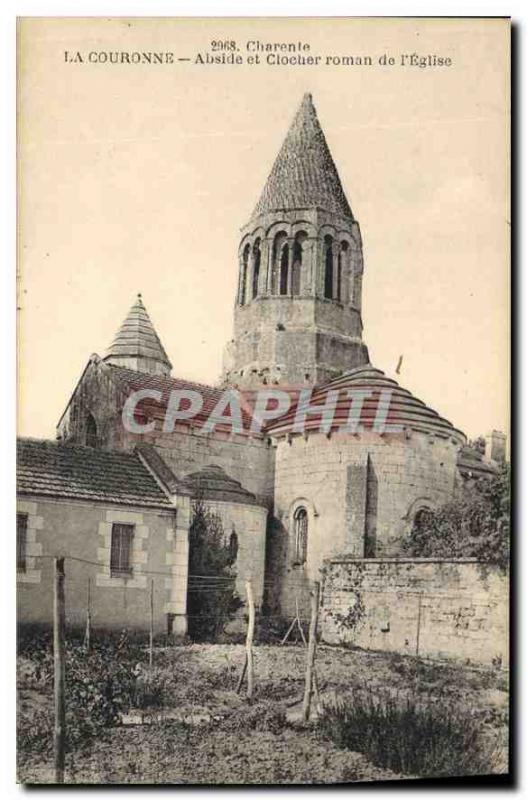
(137,345)
(304,173)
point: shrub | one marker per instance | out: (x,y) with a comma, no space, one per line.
(99,686)
(151,689)
(409,736)
(211,602)
(477,525)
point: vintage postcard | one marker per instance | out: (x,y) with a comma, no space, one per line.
(263,454)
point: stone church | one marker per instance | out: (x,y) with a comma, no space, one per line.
(291,498)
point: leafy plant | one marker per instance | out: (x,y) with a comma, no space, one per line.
(476,525)
(212,601)
(99,686)
(410,736)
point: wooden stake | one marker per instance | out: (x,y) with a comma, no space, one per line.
(151,654)
(284,640)
(296,621)
(59,625)
(249,640)
(242,676)
(419,602)
(311,649)
(299,623)
(87,635)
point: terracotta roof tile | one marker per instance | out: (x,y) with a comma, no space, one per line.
(404,409)
(73,471)
(135,381)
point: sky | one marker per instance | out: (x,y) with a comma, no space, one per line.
(137,178)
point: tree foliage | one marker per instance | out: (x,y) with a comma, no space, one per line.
(212,600)
(476,525)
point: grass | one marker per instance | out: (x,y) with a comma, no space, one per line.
(413,736)
(242,742)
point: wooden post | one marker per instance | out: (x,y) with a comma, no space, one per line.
(87,635)
(418,634)
(151,654)
(299,623)
(311,649)
(242,676)
(59,624)
(249,640)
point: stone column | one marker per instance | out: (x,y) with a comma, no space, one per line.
(349,278)
(269,265)
(357,291)
(319,269)
(335,254)
(290,245)
(263,283)
(306,272)
(240,279)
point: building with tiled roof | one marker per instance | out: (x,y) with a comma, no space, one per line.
(120,526)
(345,465)
(48,469)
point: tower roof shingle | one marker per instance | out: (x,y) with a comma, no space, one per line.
(304,174)
(137,338)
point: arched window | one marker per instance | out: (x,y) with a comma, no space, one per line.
(243,276)
(276,261)
(91,431)
(328,267)
(284,268)
(421,519)
(257,257)
(300,532)
(339,278)
(296,268)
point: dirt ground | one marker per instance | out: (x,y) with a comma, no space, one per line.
(216,737)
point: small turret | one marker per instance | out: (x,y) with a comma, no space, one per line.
(137,345)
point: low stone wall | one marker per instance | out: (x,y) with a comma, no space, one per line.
(436,608)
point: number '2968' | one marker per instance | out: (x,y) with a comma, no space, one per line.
(222,44)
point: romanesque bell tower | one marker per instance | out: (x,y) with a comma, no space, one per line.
(297,318)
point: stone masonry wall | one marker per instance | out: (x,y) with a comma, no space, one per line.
(249,461)
(331,478)
(446,609)
(249,524)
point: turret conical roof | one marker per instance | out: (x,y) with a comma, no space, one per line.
(137,341)
(304,174)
